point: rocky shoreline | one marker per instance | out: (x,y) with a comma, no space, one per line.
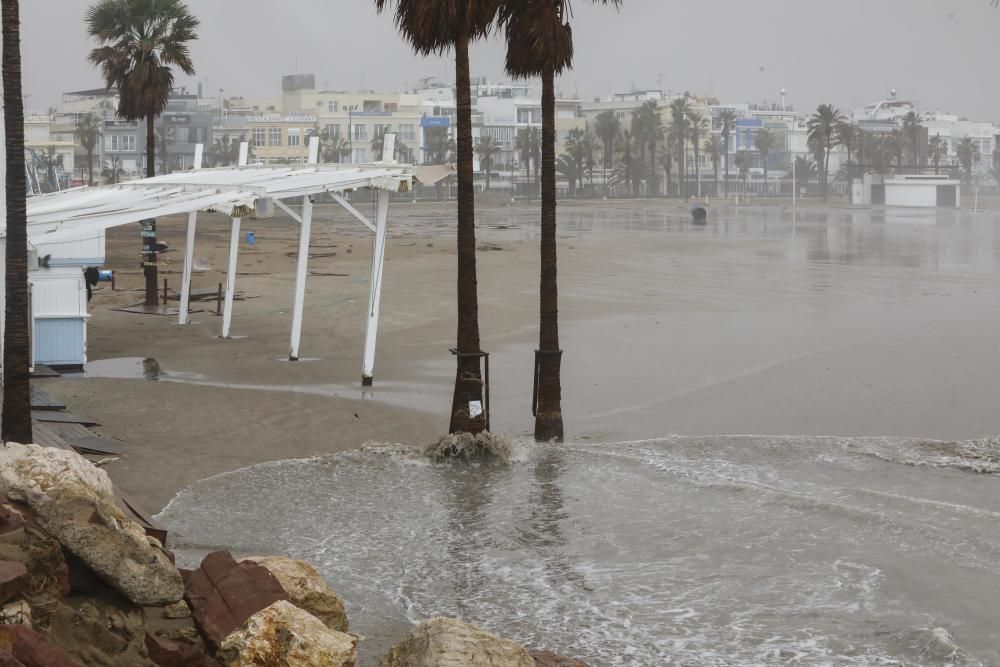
(83,584)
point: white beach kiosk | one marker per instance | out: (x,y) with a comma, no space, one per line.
(71,224)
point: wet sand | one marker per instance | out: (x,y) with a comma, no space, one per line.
(840,322)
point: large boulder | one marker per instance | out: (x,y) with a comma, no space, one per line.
(30,649)
(23,541)
(14,579)
(73,501)
(446,642)
(223,594)
(114,547)
(99,630)
(306,588)
(283,634)
(165,652)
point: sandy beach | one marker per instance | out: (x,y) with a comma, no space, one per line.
(834,321)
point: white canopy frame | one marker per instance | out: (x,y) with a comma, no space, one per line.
(238,192)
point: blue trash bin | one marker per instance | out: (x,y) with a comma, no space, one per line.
(251,239)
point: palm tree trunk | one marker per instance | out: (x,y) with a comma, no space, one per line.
(468,396)
(726,156)
(90,168)
(149,269)
(826,170)
(548,358)
(16,422)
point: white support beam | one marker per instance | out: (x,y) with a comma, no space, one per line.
(288,211)
(244,153)
(375,288)
(199,152)
(301,271)
(389,148)
(314,150)
(182,315)
(234,247)
(353,211)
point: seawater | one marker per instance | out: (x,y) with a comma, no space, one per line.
(677,551)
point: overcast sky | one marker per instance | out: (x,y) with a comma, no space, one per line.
(941,53)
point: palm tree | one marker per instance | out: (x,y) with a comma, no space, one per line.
(650,125)
(936,150)
(743,162)
(437,26)
(765,142)
(607,127)
(113,172)
(968,156)
(440,149)
(164,139)
(139,42)
(627,164)
(822,128)
(698,127)
(911,128)
(679,113)
(568,167)
(896,143)
(51,162)
(15,425)
(225,151)
(529,150)
(728,120)
(715,149)
(540,43)
(487,147)
(804,170)
(88,133)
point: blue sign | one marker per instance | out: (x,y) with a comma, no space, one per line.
(435,121)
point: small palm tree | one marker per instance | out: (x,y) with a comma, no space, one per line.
(715,149)
(487,147)
(727,118)
(88,132)
(437,26)
(743,162)
(968,156)
(697,127)
(51,162)
(16,420)
(112,172)
(139,44)
(540,43)
(765,142)
(804,170)
(937,150)
(529,150)
(608,128)
(822,127)
(652,128)
(911,128)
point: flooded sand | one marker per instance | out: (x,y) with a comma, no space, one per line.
(680,551)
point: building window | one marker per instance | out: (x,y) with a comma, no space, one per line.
(274,136)
(524,116)
(620,115)
(407,132)
(360,132)
(332,106)
(294,136)
(259,135)
(120,143)
(333,131)
(359,155)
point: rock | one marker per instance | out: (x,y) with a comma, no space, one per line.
(102,630)
(168,653)
(110,544)
(7,660)
(16,613)
(223,594)
(550,659)
(30,649)
(306,588)
(283,634)
(445,642)
(184,635)
(13,579)
(28,470)
(177,610)
(23,541)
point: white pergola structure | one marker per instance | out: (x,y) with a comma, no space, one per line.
(238,192)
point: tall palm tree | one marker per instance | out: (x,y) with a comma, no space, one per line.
(847,136)
(540,43)
(15,424)
(648,128)
(822,127)
(679,112)
(139,44)
(627,164)
(487,147)
(88,132)
(529,150)
(714,148)
(936,151)
(607,127)
(765,142)
(968,155)
(698,126)
(437,26)
(728,120)
(911,128)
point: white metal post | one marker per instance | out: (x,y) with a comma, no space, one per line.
(234,247)
(244,153)
(300,278)
(375,288)
(182,316)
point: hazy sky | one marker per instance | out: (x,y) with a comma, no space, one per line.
(941,53)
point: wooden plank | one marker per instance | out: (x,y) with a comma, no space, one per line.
(43,371)
(95,445)
(141,517)
(46,436)
(61,417)
(42,401)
